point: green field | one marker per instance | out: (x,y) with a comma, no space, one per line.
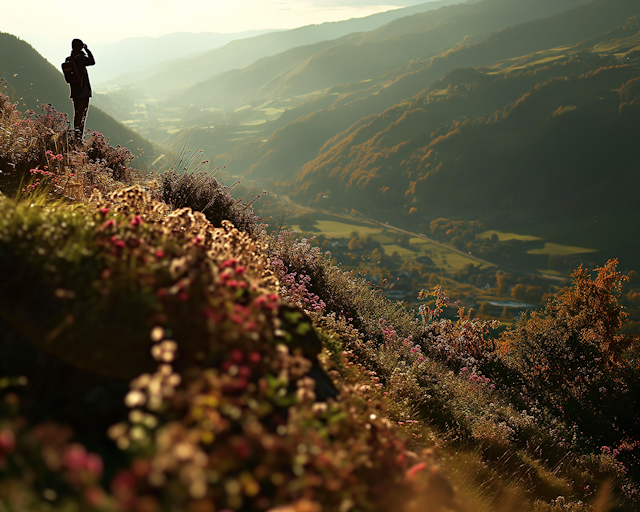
(502,236)
(563,250)
(335,229)
(405,254)
(442,256)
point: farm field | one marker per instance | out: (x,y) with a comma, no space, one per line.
(441,255)
(551,248)
(502,236)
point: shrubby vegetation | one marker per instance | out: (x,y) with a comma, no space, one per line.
(184,184)
(212,366)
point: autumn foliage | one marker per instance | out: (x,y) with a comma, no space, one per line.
(573,346)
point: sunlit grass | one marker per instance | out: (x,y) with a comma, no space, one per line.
(502,236)
(550,272)
(335,229)
(563,250)
(402,251)
(538,62)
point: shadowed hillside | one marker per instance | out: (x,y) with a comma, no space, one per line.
(526,136)
(297,137)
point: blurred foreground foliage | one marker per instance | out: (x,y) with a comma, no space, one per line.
(153,360)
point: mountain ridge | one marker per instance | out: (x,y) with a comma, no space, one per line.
(371,54)
(467,161)
(496,47)
(130,54)
(243,52)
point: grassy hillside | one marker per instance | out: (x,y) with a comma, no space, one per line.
(155,356)
(34,82)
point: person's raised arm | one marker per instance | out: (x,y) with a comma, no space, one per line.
(89,60)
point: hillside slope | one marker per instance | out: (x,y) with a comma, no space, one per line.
(372,54)
(544,134)
(297,137)
(237,54)
(153,358)
(34,81)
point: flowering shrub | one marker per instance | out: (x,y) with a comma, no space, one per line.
(229,416)
(573,347)
(183,186)
(44,453)
(26,142)
(235,446)
(40,141)
(463,343)
(296,283)
(114,160)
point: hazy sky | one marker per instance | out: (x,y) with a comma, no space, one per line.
(52,22)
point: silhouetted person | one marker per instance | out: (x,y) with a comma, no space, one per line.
(81,90)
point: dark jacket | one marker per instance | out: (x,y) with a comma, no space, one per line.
(83,88)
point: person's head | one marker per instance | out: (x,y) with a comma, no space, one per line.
(77,45)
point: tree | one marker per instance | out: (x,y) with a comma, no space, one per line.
(485,309)
(518,292)
(502,282)
(355,244)
(573,347)
(457,242)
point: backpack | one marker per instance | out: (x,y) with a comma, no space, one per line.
(70,72)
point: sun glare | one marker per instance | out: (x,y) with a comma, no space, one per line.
(131,18)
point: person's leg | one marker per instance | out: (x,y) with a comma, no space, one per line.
(80,109)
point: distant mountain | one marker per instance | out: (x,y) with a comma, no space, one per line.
(367,55)
(134,54)
(553,132)
(33,81)
(180,73)
(280,148)
(277,149)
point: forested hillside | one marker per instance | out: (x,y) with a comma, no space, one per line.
(33,82)
(279,148)
(548,133)
(325,117)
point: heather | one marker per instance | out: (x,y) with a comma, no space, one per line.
(38,142)
(186,184)
(163,350)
